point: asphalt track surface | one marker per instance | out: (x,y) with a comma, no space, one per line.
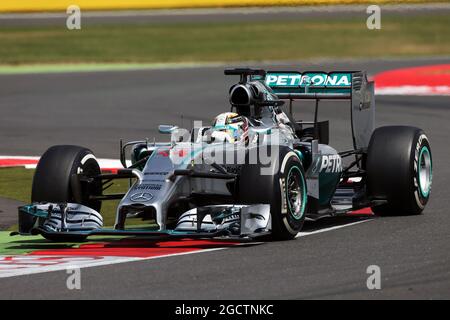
(96,109)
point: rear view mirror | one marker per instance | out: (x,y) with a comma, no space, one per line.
(163,128)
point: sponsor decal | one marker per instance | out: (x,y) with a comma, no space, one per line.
(162,173)
(331,164)
(308,79)
(176,152)
(148,186)
(141,197)
(181,153)
(164,153)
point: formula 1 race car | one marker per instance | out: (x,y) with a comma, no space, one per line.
(255,171)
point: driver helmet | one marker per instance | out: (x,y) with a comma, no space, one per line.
(230,127)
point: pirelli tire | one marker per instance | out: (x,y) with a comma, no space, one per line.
(52,179)
(399,170)
(282,184)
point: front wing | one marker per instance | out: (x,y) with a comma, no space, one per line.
(75,220)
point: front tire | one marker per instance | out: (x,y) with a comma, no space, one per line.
(284,189)
(52,180)
(399,170)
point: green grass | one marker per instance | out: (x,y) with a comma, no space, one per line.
(420,35)
(15,183)
(13,245)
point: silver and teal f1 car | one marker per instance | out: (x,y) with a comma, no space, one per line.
(256,171)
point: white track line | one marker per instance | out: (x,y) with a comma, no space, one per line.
(304,234)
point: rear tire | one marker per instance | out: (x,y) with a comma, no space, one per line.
(51,182)
(399,169)
(284,189)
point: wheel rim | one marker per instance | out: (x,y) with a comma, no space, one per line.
(425,171)
(295,193)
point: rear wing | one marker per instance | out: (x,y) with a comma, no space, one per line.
(336,85)
(312,84)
